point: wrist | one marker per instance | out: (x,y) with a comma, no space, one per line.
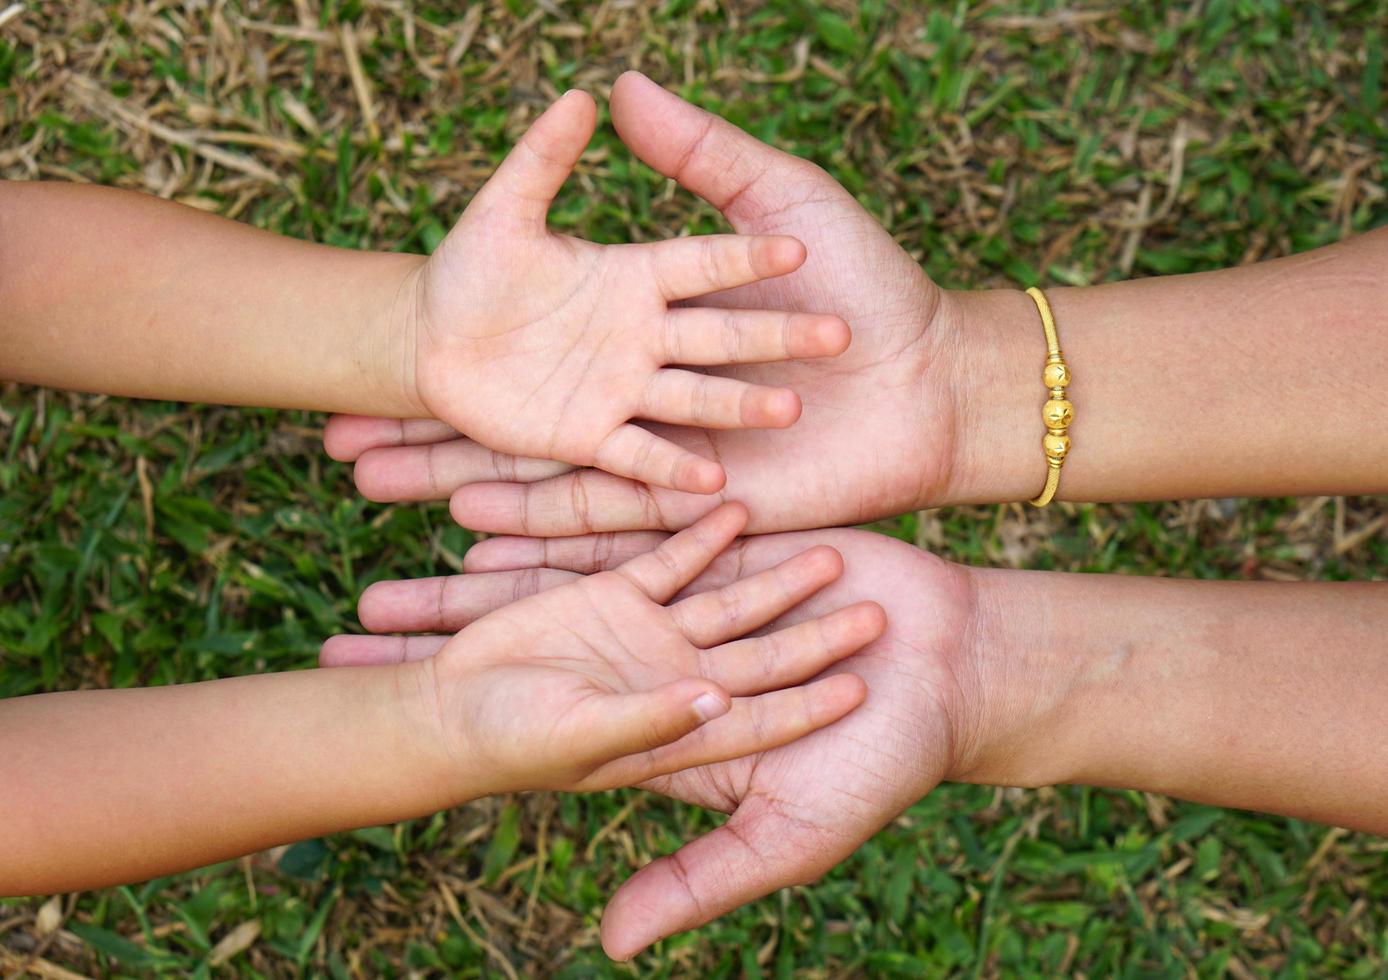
(994,373)
(437,763)
(1032,677)
(387,351)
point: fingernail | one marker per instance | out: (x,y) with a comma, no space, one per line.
(710,706)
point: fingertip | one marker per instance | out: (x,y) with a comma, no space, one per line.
(334,652)
(503,554)
(702,476)
(710,704)
(832,335)
(374,604)
(873,619)
(736,513)
(851,690)
(337,441)
(629,78)
(371,474)
(576,97)
(778,408)
(482,507)
(346,437)
(618,943)
(825,561)
(781,254)
(835,696)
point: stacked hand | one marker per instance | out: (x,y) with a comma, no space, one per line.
(876,437)
(877,433)
(597,683)
(799,809)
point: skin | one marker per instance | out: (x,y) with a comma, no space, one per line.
(531,342)
(890,383)
(1184,386)
(1245,694)
(593,684)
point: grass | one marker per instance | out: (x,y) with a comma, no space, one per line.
(146,543)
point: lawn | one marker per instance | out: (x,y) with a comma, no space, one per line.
(147,543)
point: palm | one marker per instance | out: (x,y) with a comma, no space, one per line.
(603,631)
(602,682)
(521,359)
(802,808)
(620,642)
(869,411)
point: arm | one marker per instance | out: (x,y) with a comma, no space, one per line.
(532,343)
(108,787)
(594,685)
(1265,380)
(112,291)
(1261,380)
(1259,695)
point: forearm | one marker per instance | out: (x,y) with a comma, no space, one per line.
(112,291)
(1266,696)
(1263,380)
(105,787)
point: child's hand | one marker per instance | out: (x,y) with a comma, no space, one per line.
(537,344)
(599,684)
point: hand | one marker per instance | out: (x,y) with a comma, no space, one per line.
(878,431)
(598,683)
(799,809)
(537,344)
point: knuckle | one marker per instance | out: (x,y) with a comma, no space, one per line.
(673,339)
(731,608)
(654,733)
(731,337)
(699,398)
(711,261)
(766,652)
(603,547)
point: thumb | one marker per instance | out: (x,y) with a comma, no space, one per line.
(752,855)
(734,171)
(525,184)
(624,724)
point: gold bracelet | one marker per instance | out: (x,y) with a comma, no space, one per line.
(1057,413)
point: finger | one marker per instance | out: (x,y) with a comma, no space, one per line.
(370,651)
(447,603)
(618,725)
(576,503)
(346,437)
(759,850)
(706,400)
(633,452)
(587,553)
(705,336)
(689,267)
(663,572)
(435,470)
(735,610)
(738,174)
(796,653)
(532,173)
(753,725)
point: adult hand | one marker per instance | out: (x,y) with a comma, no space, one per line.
(878,434)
